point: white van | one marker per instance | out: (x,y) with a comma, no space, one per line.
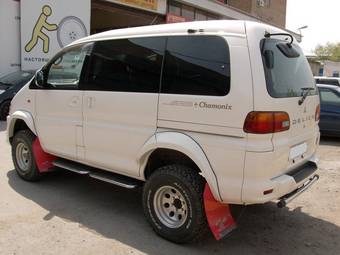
(230,104)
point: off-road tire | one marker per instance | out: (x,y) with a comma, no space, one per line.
(191,185)
(26,138)
(4,110)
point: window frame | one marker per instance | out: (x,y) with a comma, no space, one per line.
(268,76)
(191,94)
(89,61)
(46,68)
(329,90)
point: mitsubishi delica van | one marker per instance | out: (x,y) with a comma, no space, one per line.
(225,106)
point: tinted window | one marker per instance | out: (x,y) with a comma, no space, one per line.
(285,76)
(65,70)
(197,65)
(329,97)
(130,65)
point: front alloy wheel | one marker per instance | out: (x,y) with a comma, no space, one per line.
(23,157)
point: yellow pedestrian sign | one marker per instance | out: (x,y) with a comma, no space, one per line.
(38,30)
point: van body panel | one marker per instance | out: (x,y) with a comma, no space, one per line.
(210,110)
(218,131)
(58,113)
(186,144)
(231,27)
(226,155)
(290,148)
(116,126)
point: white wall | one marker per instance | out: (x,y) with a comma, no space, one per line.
(71,17)
(10,36)
(330,67)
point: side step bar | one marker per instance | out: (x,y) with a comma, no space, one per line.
(291,196)
(71,166)
(113,178)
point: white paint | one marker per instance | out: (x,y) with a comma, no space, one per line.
(331,68)
(65,14)
(297,150)
(9,36)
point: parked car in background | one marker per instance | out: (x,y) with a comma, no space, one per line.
(327,80)
(10,84)
(330,109)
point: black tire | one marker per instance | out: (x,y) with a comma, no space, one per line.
(4,109)
(191,186)
(25,138)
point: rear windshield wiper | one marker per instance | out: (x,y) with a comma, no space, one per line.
(304,94)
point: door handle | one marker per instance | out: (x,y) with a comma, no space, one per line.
(90,102)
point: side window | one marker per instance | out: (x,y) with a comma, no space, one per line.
(130,65)
(197,65)
(65,70)
(329,97)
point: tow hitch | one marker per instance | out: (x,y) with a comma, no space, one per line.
(291,196)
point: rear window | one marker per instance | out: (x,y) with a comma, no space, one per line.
(285,76)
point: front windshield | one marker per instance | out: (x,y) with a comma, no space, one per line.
(15,78)
(287,75)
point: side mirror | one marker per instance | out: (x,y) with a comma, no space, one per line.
(39,79)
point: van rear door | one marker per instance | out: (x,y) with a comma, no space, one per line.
(291,86)
(284,83)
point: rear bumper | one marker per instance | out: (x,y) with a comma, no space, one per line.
(285,186)
(294,194)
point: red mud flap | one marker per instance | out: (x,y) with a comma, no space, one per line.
(42,159)
(219,217)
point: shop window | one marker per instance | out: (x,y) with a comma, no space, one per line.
(188,12)
(200,15)
(263,3)
(174,8)
(197,65)
(130,65)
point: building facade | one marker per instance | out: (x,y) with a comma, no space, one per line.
(110,14)
(114,14)
(269,11)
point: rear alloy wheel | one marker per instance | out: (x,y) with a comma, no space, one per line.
(173,203)
(23,157)
(4,110)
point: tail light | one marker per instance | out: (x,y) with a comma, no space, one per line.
(266,122)
(317,113)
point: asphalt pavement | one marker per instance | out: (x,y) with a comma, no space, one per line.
(65,213)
